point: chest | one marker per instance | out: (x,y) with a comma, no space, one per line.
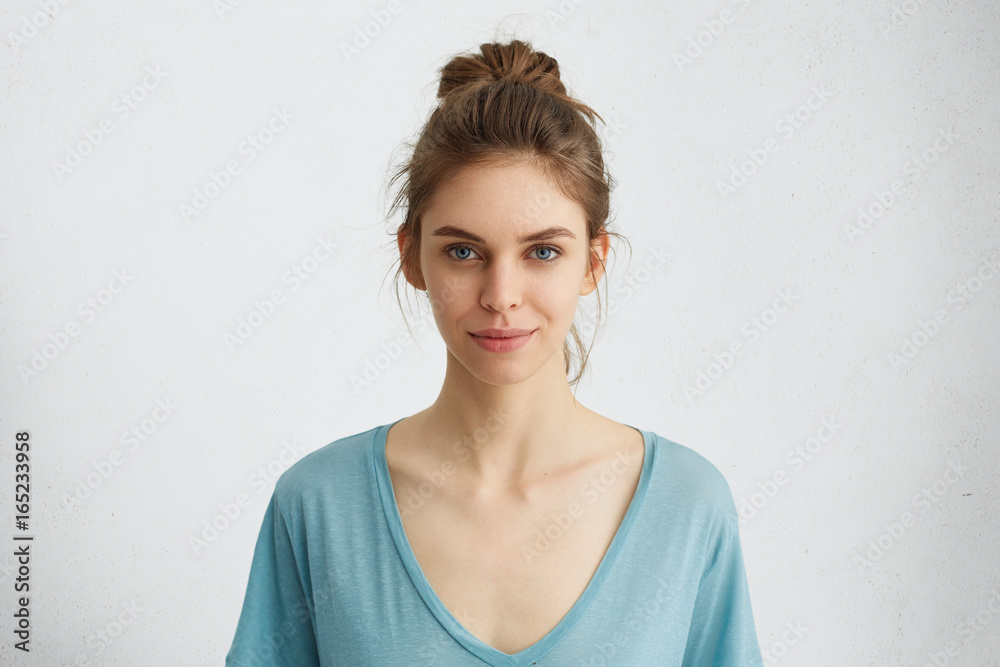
(511,569)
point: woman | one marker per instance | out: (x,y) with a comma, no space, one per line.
(506,524)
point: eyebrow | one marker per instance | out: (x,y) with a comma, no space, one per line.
(543,235)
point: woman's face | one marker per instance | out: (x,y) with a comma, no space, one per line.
(482,271)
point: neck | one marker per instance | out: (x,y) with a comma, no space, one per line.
(502,437)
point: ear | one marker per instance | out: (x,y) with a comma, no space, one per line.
(412,274)
(595,270)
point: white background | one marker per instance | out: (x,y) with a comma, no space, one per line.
(676,129)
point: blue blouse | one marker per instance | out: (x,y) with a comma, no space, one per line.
(334,581)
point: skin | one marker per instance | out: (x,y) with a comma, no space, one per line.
(502,283)
(469,533)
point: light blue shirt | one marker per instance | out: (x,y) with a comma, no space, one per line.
(334,581)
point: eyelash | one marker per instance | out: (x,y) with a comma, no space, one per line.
(557,252)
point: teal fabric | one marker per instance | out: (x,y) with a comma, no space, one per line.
(333,580)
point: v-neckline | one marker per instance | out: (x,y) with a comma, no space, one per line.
(489,654)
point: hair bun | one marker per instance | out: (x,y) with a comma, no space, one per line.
(516,62)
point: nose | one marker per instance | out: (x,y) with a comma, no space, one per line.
(502,288)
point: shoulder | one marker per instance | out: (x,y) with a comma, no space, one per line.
(341,464)
(688,476)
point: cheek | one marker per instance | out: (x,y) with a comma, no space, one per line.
(448,298)
(557,298)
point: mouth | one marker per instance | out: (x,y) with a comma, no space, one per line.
(504,342)
(500,333)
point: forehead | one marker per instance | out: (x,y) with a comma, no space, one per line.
(502,201)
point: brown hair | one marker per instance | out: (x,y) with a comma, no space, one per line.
(501,106)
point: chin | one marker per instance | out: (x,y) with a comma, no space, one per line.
(490,368)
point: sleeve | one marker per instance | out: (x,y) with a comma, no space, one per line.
(722,632)
(275,627)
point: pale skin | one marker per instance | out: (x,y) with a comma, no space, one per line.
(472,535)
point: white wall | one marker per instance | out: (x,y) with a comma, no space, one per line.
(678,128)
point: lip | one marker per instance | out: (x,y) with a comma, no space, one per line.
(502,344)
(501,333)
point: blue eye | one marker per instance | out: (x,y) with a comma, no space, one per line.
(465,248)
